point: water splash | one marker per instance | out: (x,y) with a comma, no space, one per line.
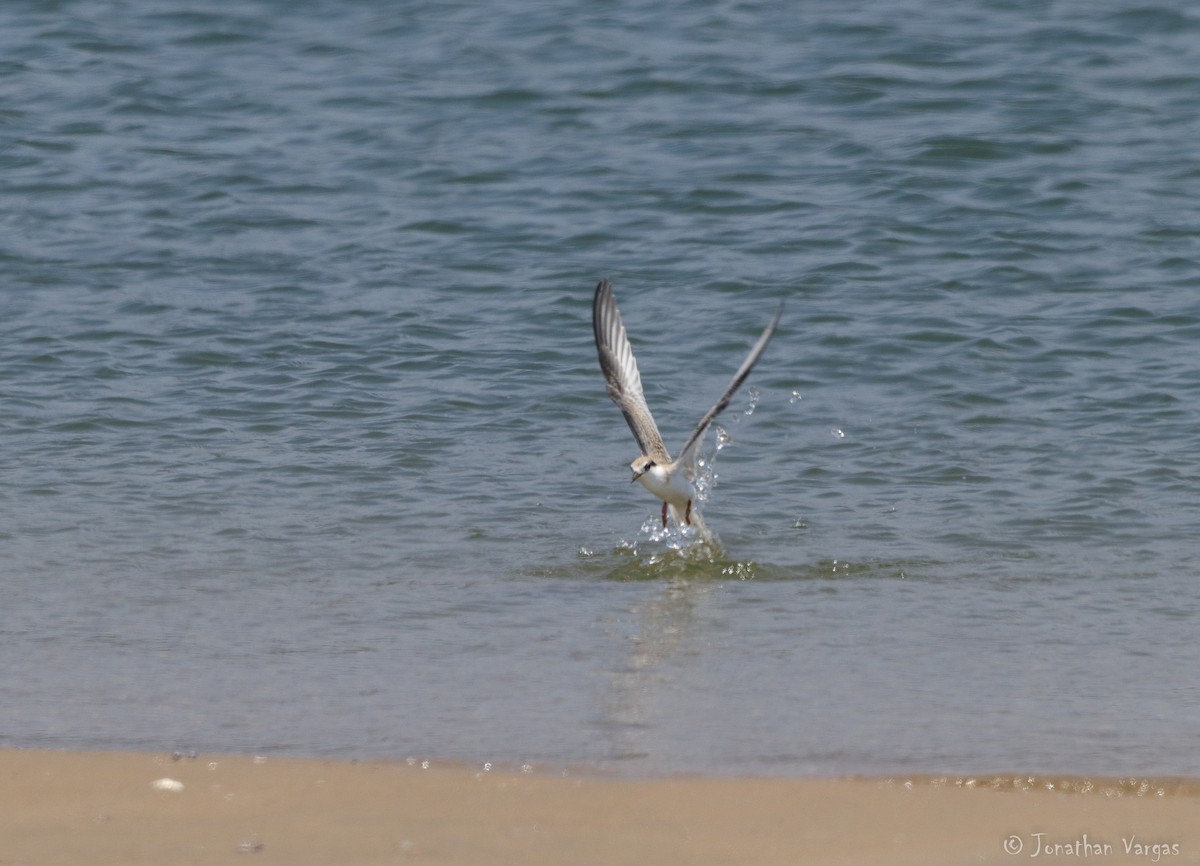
(754,395)
(705,475)
(687,566)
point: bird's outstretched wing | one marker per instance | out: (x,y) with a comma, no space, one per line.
(738,378)
(621,374)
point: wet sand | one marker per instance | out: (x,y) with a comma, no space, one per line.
(104,808)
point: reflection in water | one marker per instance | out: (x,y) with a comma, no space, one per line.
(664,628)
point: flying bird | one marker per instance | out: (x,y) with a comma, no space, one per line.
(669,480)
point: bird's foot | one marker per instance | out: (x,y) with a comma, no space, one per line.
(687,517)
(664,515)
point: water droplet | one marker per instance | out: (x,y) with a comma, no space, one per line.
(796,398)
(838,433)
(723,437)
(754,395)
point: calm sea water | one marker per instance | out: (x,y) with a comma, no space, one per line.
(304,447)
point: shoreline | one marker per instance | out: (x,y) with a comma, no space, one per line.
(61,807)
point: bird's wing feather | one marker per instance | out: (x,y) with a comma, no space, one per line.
(621,373)
(738,378)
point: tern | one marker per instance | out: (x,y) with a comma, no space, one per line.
(669,480)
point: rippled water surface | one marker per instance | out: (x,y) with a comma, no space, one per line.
(304,447)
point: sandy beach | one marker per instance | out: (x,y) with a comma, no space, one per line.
(114,808)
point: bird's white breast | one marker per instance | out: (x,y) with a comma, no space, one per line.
(672,487)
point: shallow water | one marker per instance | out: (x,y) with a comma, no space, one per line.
(305,448)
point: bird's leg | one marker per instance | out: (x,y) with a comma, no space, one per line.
(687,517)
(664,515)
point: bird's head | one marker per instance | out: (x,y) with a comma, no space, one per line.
(641,466)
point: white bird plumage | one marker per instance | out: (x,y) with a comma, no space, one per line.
(669,480)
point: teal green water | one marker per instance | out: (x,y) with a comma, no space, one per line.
(304,447)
